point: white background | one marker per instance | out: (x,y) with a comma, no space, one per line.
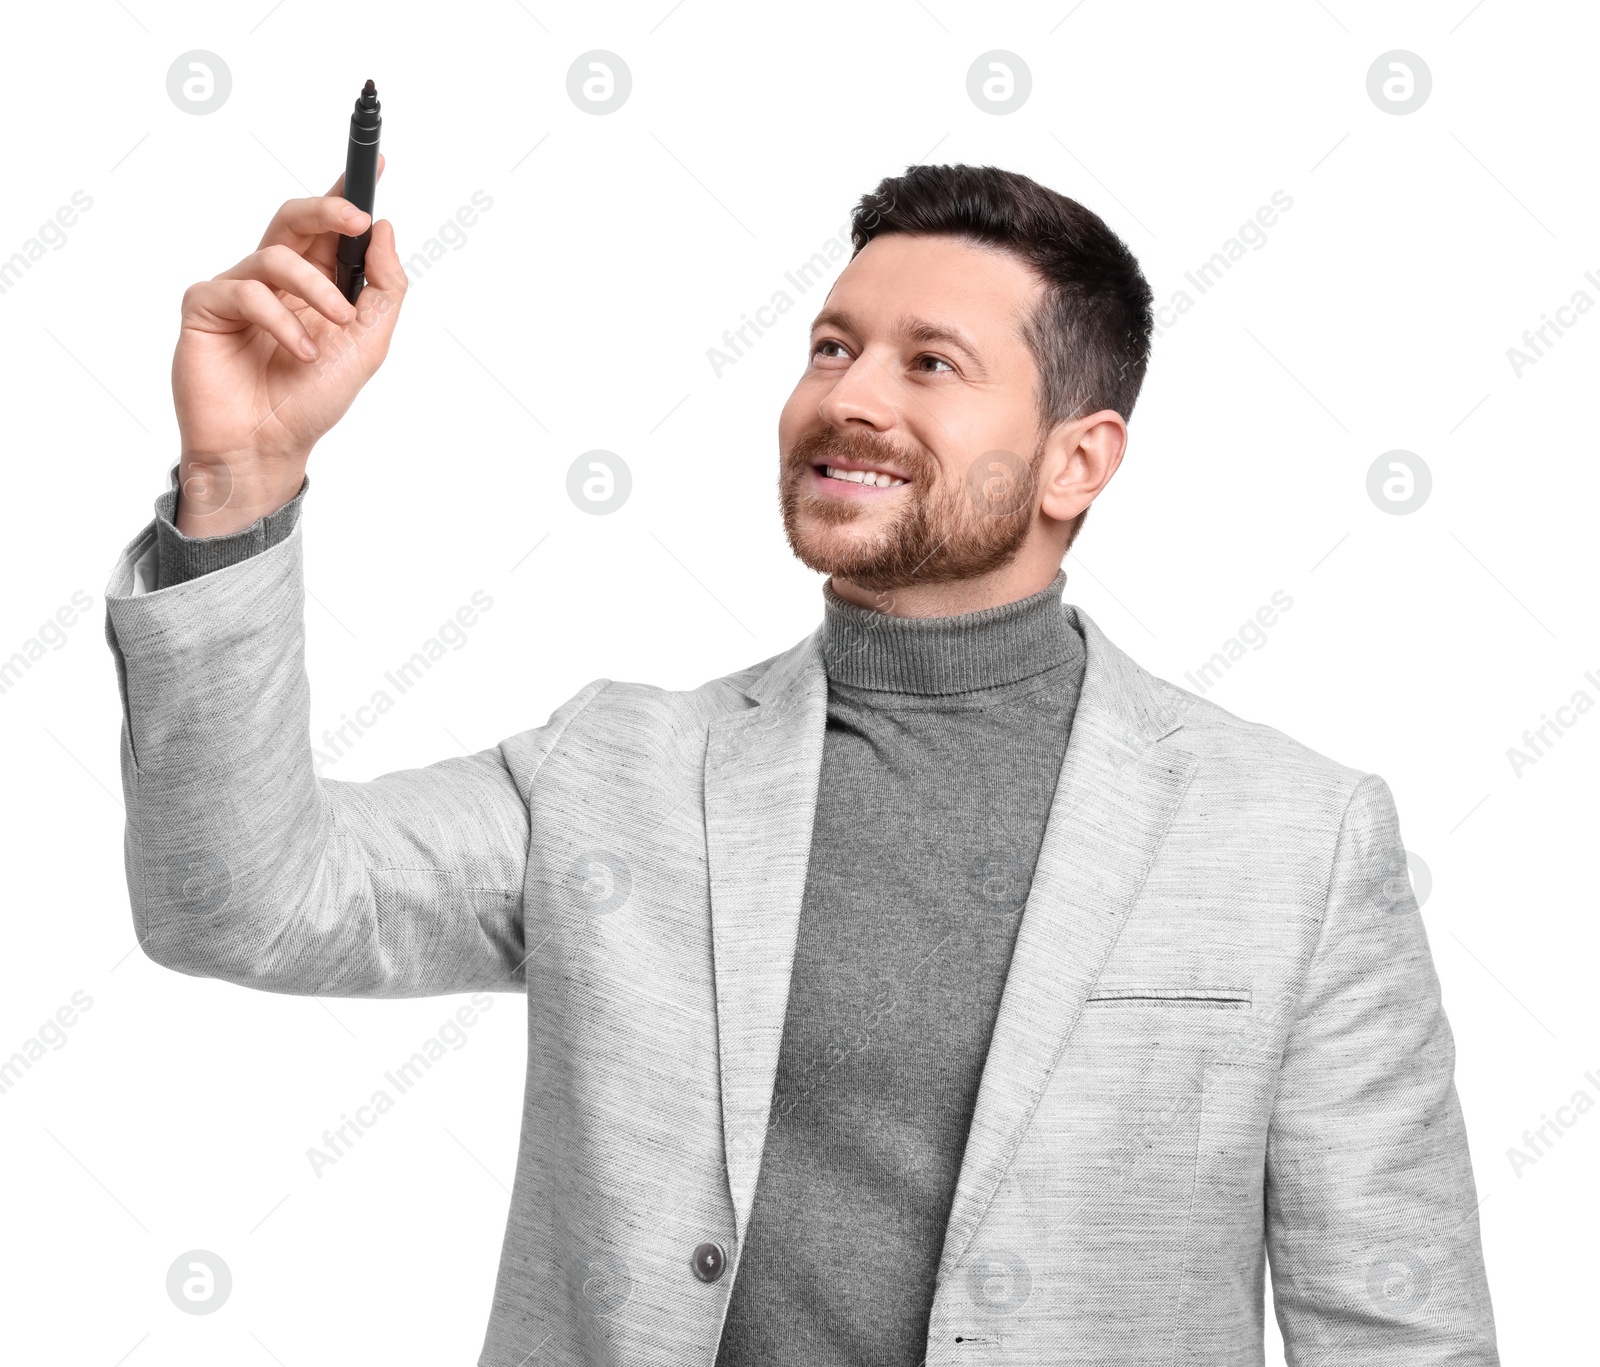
(577,315)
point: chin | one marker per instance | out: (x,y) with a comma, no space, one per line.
(829,553)
(831,548)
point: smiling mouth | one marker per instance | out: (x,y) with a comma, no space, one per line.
(871,479)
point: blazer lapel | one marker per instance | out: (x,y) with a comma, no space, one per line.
(761,772)
(1116,796)
(1113,802)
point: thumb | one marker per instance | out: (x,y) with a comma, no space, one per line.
(378,304)
(383,268)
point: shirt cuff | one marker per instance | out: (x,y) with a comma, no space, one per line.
(178,558)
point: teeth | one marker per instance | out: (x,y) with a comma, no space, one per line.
(876,478)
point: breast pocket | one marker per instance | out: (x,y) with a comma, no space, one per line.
(1225,998)
(1130,1084)
(1108,1161)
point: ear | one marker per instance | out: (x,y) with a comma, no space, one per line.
(1079,459)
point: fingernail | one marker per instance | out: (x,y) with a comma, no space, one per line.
(308,348)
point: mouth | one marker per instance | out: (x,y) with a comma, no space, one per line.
(851,479)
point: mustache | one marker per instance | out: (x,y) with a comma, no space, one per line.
(859,445)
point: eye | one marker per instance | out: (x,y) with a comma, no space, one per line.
(939,360)
(818,350)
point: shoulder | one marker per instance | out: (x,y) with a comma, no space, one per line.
(1255,760)
(616,699)
(1262,798)
(647,720)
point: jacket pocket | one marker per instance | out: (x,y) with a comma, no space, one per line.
(1227,998)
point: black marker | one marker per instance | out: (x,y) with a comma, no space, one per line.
(360,180)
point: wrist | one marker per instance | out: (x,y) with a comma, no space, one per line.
(219,495)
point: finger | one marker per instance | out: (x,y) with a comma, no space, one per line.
(337,188)
(224,301)
(299,223)
(315,243)
(284,269)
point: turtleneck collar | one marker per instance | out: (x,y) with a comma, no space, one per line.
(864,648)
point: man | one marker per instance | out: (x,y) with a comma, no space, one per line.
(946,988)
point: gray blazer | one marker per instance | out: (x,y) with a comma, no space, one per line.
(1221,1041)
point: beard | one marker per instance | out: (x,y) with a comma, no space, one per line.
(941,529)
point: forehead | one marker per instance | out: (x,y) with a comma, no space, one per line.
(982,290)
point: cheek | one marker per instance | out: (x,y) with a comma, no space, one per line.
(973,422)
(792,417)
(802,413)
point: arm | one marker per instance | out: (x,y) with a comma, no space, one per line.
(1372,1226)
(244,865)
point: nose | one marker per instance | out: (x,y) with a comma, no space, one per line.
(862,395)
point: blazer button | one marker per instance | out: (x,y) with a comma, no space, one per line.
(709,1260)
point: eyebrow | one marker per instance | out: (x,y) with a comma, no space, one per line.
(907,328)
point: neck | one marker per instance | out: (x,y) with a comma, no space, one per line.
(1025,576)
(953,653)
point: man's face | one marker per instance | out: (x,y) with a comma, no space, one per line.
(918,371)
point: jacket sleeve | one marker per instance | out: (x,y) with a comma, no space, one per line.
(1372,1224)
(244,864)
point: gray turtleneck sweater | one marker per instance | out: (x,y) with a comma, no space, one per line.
(945,738)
